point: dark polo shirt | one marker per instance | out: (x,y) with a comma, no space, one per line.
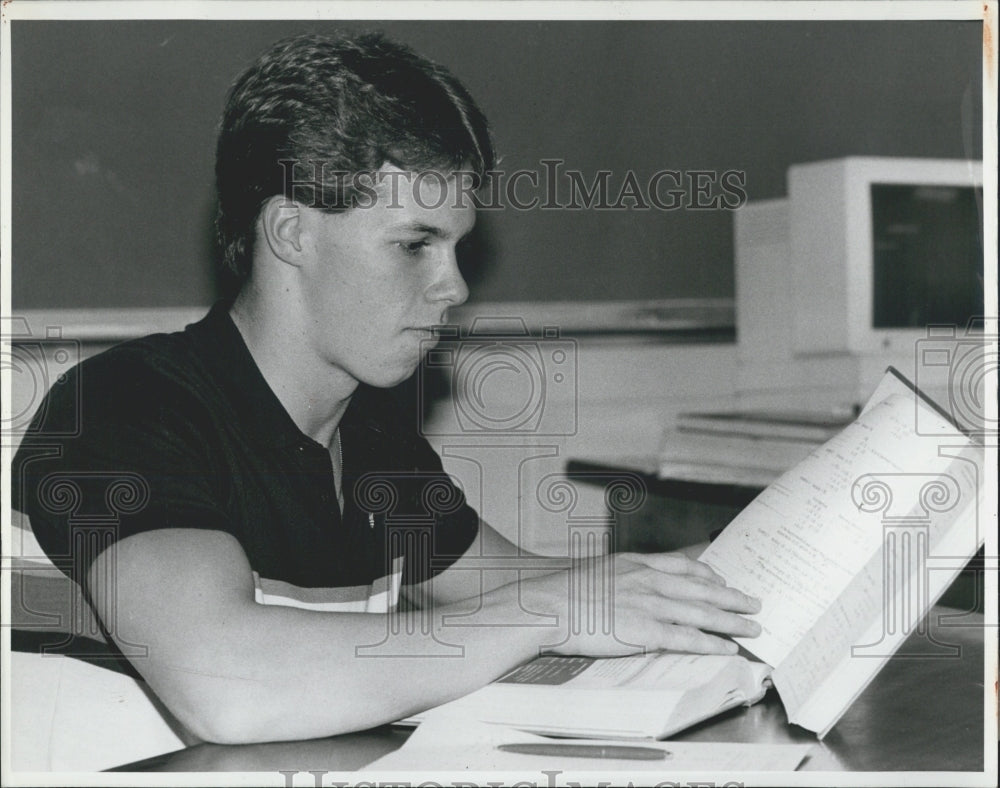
(182,431)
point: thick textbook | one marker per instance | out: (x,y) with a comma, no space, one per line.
(646,696)
(848,550)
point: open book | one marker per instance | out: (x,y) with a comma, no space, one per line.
(848,550)
(647,696)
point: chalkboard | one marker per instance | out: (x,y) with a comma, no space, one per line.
(114,127)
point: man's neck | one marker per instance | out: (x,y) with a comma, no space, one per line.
(315,394)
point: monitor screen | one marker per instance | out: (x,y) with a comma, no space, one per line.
(927,254)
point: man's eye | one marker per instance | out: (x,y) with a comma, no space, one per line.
(412,247)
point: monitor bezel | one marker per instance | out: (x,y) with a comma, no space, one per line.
(833,252)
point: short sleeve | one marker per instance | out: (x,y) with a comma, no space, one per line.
(135,460)
(456,524)
(399,484)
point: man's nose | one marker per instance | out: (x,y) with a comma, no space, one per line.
(450,285)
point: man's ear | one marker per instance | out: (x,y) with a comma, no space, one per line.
(281,225)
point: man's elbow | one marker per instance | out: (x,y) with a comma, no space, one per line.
(212,719)
(238,726)
(212,711)
(245,715)
(222,726)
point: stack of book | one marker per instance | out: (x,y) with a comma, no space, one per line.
(748,447)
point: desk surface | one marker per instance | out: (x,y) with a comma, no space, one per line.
(920,714)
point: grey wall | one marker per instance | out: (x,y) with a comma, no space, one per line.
(113,138)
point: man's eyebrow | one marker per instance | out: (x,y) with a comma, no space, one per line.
(427,229)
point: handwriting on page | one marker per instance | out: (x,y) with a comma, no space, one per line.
(802,541)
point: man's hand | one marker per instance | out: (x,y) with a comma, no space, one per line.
(627,603)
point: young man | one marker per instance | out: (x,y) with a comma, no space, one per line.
(256,467)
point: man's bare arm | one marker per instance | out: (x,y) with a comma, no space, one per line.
(236,671)
(233,670)
(491,561)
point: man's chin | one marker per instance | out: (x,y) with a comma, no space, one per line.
(387,379)
(402,367)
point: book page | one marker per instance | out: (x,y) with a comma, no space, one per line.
(854,639)
(800,543)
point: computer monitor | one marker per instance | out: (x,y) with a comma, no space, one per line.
(882,248)
(864,260)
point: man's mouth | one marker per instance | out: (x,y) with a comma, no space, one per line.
(432,329)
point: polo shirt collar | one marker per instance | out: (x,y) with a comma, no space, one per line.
(219,341)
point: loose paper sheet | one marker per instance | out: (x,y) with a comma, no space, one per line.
(448,743)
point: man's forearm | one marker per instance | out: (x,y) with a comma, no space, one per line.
(233,670)
(295,674)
